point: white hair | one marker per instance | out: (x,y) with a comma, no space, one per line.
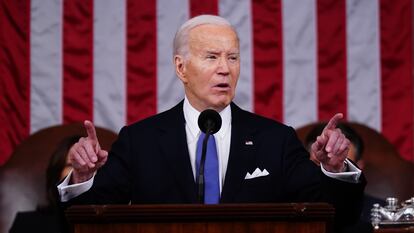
(180,46)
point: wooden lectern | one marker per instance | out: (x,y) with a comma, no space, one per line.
(223,218)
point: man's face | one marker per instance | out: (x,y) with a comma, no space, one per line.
(211,71)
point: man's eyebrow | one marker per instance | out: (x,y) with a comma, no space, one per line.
(212,52)
(218,52)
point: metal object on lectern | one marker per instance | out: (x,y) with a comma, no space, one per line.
(393,214)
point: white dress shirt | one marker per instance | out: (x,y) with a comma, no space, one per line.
(222,137)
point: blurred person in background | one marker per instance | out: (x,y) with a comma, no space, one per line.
(49,218)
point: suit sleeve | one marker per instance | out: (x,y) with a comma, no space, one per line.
(112,182)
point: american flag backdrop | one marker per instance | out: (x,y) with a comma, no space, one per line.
(63,61)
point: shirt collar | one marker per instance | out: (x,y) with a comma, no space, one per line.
(191,118)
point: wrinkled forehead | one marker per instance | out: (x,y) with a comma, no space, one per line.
(210,34)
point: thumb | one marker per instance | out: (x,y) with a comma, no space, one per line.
(102,157)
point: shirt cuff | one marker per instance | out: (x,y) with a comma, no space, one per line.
(67,192)
(351,175)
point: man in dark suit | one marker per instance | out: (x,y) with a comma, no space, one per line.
(259,160)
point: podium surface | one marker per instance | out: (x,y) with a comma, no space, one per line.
(222,218)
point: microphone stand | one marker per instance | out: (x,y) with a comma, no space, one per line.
(200,178)
(209,122)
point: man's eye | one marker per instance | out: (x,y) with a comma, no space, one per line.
(211,57)
(233,58)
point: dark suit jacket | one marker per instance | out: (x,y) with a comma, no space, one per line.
(43,220)
(149,163)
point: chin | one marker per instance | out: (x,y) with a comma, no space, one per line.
(219,101)
(218,106)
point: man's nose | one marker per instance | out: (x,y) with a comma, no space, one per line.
(223,66)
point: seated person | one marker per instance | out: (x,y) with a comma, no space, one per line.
(156,160)
(355,154)
(49,218)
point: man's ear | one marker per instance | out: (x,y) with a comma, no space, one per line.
(180,68)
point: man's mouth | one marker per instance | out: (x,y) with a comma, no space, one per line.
(223,85)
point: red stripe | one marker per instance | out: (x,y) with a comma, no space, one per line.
(200,7)
(268,64)
(141,60)
(396,69)
(332,80)
(77,60)
(15,75)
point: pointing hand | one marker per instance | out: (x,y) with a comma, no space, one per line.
(86,155)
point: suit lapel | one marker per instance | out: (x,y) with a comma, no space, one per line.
(240,154)
(173,144)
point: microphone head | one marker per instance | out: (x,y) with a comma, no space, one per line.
(209,121)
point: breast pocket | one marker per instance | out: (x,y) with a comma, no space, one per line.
(258,189)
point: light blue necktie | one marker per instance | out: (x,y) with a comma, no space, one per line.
(211,170)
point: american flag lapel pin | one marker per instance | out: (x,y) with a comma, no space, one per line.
(248,143)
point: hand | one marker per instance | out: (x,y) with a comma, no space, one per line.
(331,147)
(86,155)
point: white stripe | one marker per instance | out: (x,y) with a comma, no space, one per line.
(299,62)
(239,15)
(45,64)
(169,17)
(109,64)
(363,59)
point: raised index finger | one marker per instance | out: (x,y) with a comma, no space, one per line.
(334,121)
(90,130)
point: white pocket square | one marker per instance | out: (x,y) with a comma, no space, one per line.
(256,173)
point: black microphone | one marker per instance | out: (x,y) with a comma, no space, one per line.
(209,122)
